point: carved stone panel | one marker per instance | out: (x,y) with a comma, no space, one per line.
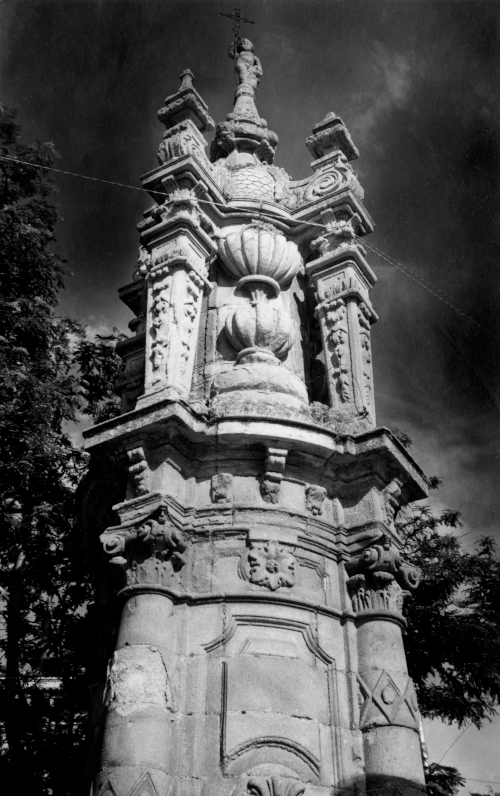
(274,709)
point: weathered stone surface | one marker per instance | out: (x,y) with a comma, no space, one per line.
(249,543)
(137,680)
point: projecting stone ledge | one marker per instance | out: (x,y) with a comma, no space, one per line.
(374,450)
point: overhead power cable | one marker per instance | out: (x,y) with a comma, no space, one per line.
(454,742)
(424,283)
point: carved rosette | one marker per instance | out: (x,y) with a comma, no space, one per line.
(380,580)
(268,563)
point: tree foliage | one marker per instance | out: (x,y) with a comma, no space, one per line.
(443,780)
(49,375)
(453,635)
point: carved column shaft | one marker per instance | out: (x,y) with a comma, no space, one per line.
(138,700)
(388,712)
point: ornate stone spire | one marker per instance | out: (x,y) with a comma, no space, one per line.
(244,131)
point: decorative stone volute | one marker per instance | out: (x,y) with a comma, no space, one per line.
(379,579)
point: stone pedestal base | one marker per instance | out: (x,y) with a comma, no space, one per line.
(258,383)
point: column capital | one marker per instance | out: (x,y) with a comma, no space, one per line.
(379,580)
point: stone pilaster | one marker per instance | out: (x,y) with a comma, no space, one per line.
(342,279)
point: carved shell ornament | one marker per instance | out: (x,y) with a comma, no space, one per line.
(259,249)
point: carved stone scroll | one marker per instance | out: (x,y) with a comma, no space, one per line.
(379,579)
(273,476)
(143,549)
(139,470)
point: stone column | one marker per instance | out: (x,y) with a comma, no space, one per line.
(144,551)
(388,711)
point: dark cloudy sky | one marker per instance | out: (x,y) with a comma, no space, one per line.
(416,83)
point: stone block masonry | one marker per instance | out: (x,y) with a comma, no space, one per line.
(240,510)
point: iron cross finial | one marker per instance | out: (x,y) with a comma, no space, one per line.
(238,20)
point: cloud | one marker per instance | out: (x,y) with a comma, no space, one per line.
(388,86)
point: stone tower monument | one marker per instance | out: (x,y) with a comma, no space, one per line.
(239,513)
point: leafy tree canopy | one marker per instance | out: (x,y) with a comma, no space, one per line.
(49,376)
(453,636)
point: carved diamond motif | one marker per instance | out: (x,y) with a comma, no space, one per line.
(145,787)
(386,698)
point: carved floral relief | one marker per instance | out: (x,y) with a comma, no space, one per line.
(268,563)
(338,337)
(161,320)
(366,354)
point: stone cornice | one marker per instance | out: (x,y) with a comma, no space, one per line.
(377,447)
(241,598)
